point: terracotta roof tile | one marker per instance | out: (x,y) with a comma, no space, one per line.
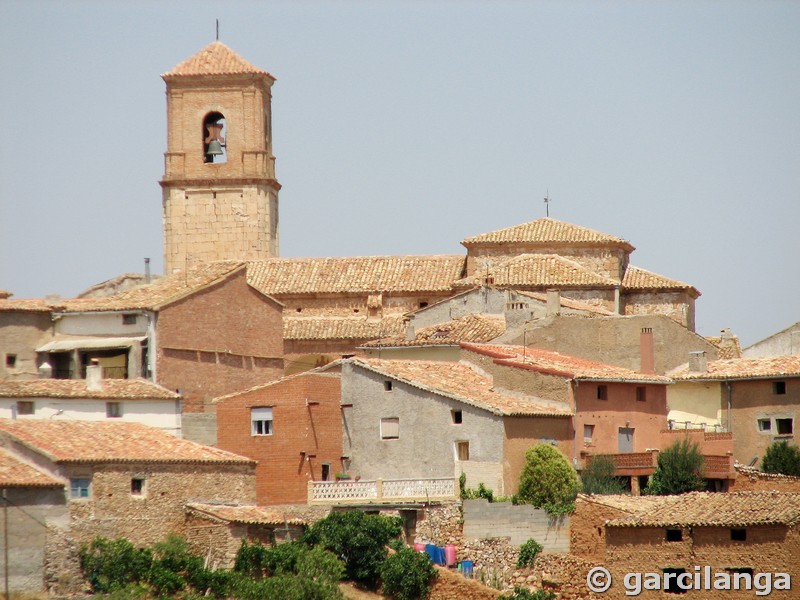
(15,473)
(256,515)
(30,305)
(564,365)
(460,381)
(111,442)
(214,59)
(547,232)
(539,270)
(569,303)
(469,328)
(625,503)
(340,328)
(736,509)
(112,389)
(636,278)
(355,275)
(744,368)
(728,346)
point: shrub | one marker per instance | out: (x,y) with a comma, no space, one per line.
(359,539)
(175,567)
(521,593)
(407,575)
(781,457)
(251,560)
(548,479)
(598,477)
(110,565)
(679,470)
(528,552)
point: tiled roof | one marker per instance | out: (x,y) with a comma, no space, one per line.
(462,382)
(161,292)
(111,442)
(247,514)
(539,270)
(744,368)
(569,303)
(214,59)
(736,509)
(563,365)
(548,231)
(112,389)
(30,304)
(727,346)
(355,275)
(636,278)
(15,473)
(340,328)
(753,473)
(625,503)
(469,328)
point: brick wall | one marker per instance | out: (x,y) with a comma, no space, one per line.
(218,341)
(587,532)
(305,435)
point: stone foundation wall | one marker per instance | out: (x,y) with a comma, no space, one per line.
(440,524)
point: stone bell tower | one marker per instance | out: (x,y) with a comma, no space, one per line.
(220,195)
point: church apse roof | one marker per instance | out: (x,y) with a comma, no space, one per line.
(540,270)
(215,59)
(548,231)
(637,278)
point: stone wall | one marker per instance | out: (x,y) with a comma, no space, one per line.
(21,332)
(440,524)
(483,520)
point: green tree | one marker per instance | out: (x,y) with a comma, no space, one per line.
(110,565)
(679,470)
(407,575)
(598,477)
(781,457)
(548,480)
(359,539)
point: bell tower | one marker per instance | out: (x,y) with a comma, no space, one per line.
(220,195)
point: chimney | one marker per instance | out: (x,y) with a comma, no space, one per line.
(553,303)
(410,332)
(45,371)
(648,352)
(147,270)
(698,363)
(94,376)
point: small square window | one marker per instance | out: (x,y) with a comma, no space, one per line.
(674,535)
(129,319)
(25,407)
(641,393)
(11,361)
(602,392)
(764,425)
(457,416)
(784,426)
(462,450)
(423,304)
(137,486)
(739,535)
(390,428)
(261,421)
(779,387)
(79,487)
(387,385)
(113,410)
(588,433)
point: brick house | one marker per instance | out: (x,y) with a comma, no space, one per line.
(292,427)
(736,535)
(121,480)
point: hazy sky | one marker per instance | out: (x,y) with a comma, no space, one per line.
(405,127)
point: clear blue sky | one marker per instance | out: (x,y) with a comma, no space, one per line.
(404,127)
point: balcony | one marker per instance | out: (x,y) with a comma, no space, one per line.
(381,491)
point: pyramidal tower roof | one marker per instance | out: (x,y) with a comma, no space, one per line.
(547,231)
(215,59)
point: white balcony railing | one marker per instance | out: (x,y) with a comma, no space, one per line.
(381,491)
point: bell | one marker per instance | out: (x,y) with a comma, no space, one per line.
(214,148)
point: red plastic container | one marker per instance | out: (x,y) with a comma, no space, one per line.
(450,555)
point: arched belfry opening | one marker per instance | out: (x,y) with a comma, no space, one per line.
(215,148)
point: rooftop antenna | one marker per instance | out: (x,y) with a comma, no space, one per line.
(547,201)
(217,29)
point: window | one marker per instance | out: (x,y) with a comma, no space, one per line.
(387,385)
(779,387)
(588,433)
(739,535)
(602,392)
(326,472)
(137,486)
(129,319)
(641,393)
(671,581)
(462,450)
(79,487)
(11,361)
(764,425)
(674,535)
(457,416)
(113,410)
(25,407)
(390,428)
(261,421)
(423,304)
(784,426)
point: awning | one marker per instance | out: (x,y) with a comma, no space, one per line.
(90,343)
